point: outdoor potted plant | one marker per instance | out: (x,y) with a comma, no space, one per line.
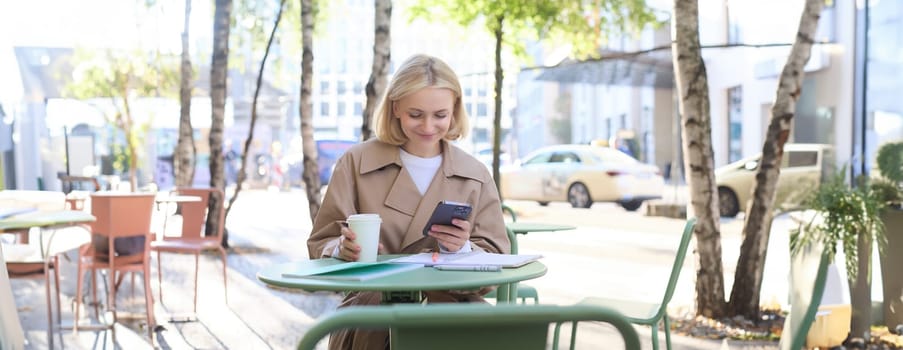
(847,216)
(889,189)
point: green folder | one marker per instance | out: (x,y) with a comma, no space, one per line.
(352,271)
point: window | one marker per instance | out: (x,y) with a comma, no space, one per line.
(358,87)
(734,33)
(734,123)
(481,109)
(480,135)
(324,88)
(358,108)
(324,109)
(564,157)
(340,109)
(481,92)
(340,87)
(539,159)
(796,159)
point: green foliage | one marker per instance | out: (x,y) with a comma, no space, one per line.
(890,165)
(887,191)
(584,25)
(123,76)
(251,24)
(843,213)
(121,158)
(890,161)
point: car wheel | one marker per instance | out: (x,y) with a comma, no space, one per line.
(728,204)
(543,204)
(578,196)
(632,205)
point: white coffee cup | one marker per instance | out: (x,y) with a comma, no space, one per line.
(366,227)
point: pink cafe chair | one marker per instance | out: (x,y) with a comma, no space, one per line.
(192,240)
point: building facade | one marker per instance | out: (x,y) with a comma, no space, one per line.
(848,96)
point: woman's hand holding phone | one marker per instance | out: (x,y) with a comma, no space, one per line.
(449,225)
(452,237)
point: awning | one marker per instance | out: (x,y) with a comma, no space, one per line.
(652,69)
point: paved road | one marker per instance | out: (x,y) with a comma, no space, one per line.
(613,253)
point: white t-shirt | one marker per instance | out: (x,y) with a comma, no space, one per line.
(422,170)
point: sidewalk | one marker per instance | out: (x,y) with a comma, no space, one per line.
(265,228)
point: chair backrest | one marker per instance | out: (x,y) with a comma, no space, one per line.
(194,214)
(682,248)
(510,211)
(808,277)
(122,214)
(466,326)
(512,238)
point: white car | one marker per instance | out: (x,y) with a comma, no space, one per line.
(803,168)
(581,175)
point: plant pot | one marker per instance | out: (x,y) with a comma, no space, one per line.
(891,261)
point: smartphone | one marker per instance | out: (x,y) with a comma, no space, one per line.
(444,213)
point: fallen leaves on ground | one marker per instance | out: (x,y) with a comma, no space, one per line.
(768,328)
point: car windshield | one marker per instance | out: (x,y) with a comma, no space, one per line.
(564,157)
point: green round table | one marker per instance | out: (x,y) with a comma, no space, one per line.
(522,228)
(400,287)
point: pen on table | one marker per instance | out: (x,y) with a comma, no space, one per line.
(478,268)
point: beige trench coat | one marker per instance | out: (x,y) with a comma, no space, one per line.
(370,178)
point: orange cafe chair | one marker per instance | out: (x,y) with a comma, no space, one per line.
(192,239)
(29,263)
(119,216)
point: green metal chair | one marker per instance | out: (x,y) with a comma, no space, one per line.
(523,291)
(808,276)
(506,210)
(651,314)
(466,326)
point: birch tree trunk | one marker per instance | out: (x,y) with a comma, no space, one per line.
(218,92)
(130,140)
(311,175)
(253,122)
(183,157)
(746,290)
(124,122)
(382,49)
(497,116)
(692,86)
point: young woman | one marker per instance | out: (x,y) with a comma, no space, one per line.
(401,175)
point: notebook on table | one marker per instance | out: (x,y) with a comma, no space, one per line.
(7,212)
(352,271)
(469,259)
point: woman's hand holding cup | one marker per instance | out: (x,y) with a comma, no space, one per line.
(349,250)
(360,239)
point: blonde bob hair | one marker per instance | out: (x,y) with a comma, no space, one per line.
(416,73)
